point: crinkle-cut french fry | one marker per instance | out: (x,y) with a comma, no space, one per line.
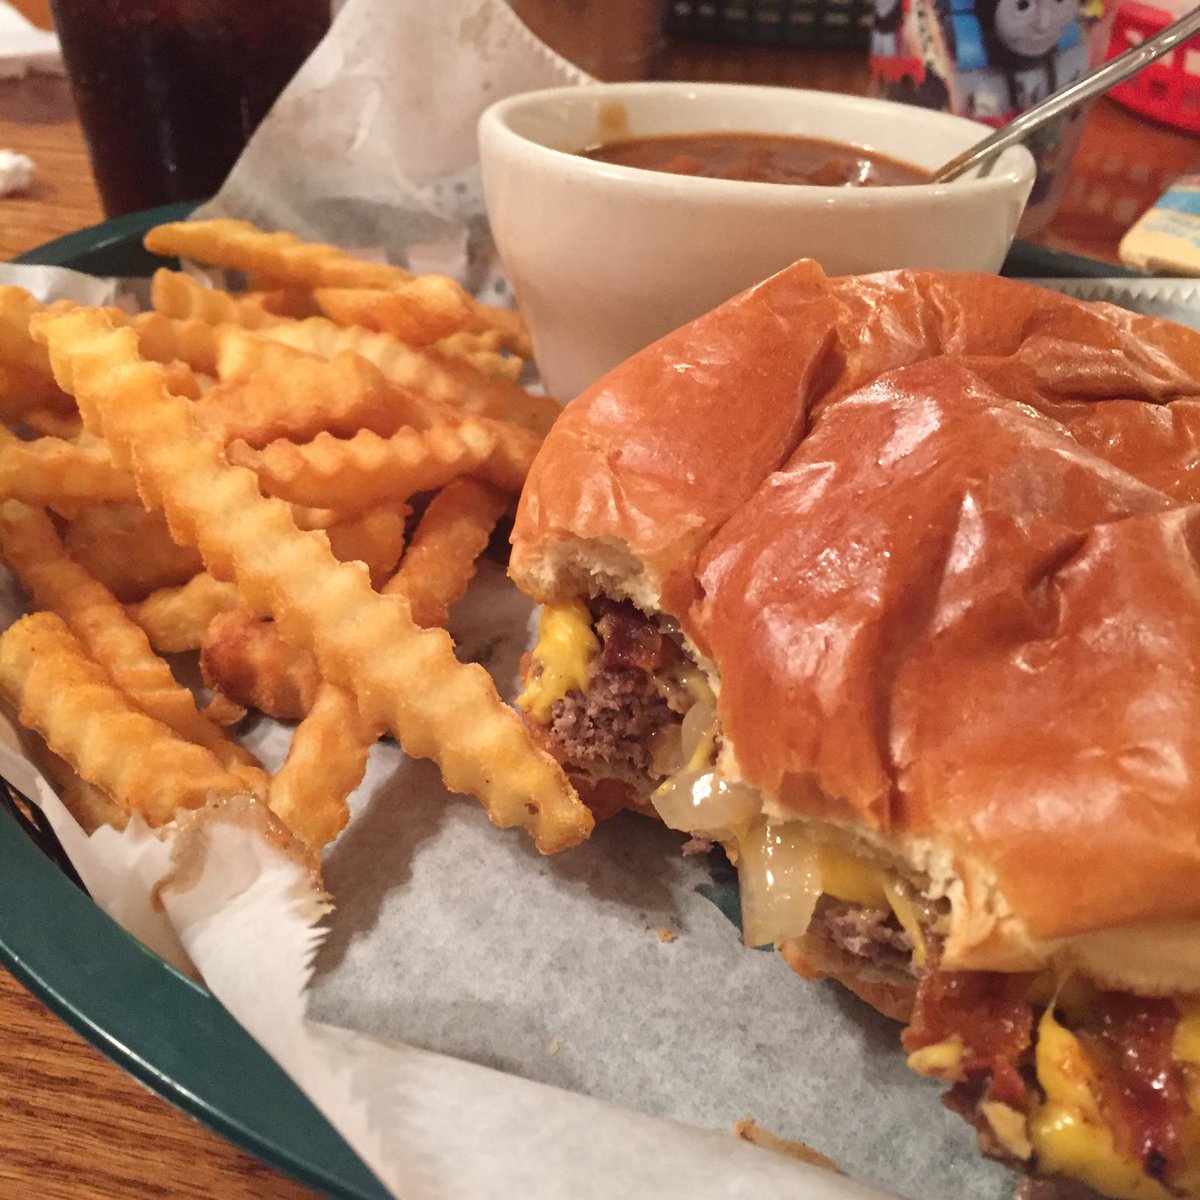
(247,661)
(418,312)
(366,470)
(508,323)
(296,303)
(84,718)
(482,351)
(46,422)
(53,472)
(182,380)
(449,381)
(32,548)
(307,517)
(374,537)
(166,340)
(499,399)
(403,677)
(175,618)
(90,807)
(130,551)
(17,346)
(450,536)
(301,399)
(22,389)
(283,258)
(223,711)
(513,455)
(324,764)
(181,297)
(279,256)
(242,355)
(101,520)
(25,377)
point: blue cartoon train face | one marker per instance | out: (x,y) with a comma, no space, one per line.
(994,58)
(1011,54)
(1004,33)
(984,59)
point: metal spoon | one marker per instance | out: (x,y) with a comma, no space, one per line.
(1074,94)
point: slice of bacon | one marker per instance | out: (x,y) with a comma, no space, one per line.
(992,1016)
(1142,1090)
(630,639)
(1129,1039)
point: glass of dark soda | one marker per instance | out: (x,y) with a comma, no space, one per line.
(169,91)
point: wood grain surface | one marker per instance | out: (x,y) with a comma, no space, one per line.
(75,1127)
(72,1125)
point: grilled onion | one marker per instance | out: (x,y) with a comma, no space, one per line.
(779,876)
(702,802)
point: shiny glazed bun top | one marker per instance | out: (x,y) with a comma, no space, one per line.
(938,536)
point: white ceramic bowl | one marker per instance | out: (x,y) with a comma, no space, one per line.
(605,259)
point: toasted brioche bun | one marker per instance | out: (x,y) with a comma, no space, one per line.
(936,538)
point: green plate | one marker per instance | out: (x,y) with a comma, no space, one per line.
(162,1028)
(165,1030)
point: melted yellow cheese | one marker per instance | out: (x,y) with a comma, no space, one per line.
(683,685)
(705,751)
(692,679)
(941,1060)
(856,881)
(1068,1132)
(851,879)
(565,647)
(1008,1125)
(1187,1050)
(1187,1034)
(910,920)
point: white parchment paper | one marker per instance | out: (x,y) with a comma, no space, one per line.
(479,1021)
(373,144)
(1173,299)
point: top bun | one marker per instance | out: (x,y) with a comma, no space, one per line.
(937,535)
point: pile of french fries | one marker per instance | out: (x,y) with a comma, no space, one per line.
(293,481)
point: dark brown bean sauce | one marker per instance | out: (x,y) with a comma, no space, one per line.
(761,158)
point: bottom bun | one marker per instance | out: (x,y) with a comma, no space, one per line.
(817,959)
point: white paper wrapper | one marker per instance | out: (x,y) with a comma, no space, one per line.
(24,47)
(16,172)
(538,1038)
(1173,299)
(373,143)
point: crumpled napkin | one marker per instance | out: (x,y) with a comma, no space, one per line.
(24,48)
(16,170)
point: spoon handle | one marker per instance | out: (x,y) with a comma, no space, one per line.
(1074,94)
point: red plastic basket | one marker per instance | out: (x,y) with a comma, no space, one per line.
(1167,90)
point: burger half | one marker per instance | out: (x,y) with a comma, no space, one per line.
(891,586)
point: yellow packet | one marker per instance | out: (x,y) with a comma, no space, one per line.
(1165,240)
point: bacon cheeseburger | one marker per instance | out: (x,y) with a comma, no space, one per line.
(891,585)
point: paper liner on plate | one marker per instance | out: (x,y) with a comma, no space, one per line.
(1173,299)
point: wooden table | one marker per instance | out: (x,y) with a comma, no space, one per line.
(72,1126)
